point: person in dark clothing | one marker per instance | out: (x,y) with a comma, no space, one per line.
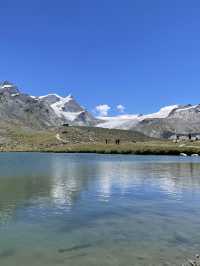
(106,141)
(189,136)
(177,138)
(117,141)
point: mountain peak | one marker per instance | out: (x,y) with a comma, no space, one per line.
(8,88)
(6,84)
(69,97)
(68,109)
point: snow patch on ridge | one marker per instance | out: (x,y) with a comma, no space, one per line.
(123,121)
(118,121)
(6,86)
(59,106)
(163,113)
(69,97)
(187,108)
(15,94)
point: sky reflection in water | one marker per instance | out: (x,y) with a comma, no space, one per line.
(62,209)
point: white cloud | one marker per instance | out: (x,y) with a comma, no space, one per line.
(120,108)
(102,109)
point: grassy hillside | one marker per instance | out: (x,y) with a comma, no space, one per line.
(16,136)
(87,139)
(99,135)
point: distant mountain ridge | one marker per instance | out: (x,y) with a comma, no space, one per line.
(169,121)
(53,110)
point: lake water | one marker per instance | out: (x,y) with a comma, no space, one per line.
(92,210)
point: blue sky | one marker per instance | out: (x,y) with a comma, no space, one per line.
(139,53)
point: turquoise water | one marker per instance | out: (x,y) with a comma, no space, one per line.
(89,210)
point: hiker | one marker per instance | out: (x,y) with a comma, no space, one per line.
(189,136)
(117,141)
(106,141)
(177,138)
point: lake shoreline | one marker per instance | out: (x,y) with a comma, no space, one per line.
(139,148)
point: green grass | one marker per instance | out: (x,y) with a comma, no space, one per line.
(150,147)
(159,148)
(89,140)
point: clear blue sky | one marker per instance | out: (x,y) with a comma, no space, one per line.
(140,53)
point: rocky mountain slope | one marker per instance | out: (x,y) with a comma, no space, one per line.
(183,120)
(40,112)
(22,109)
(68,110)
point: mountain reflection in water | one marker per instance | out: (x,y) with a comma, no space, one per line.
(83,209)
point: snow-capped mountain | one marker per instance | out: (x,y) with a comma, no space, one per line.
(170,120)
(128,121)
(53,110)
(39,112)
(22,109)
(68,110)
